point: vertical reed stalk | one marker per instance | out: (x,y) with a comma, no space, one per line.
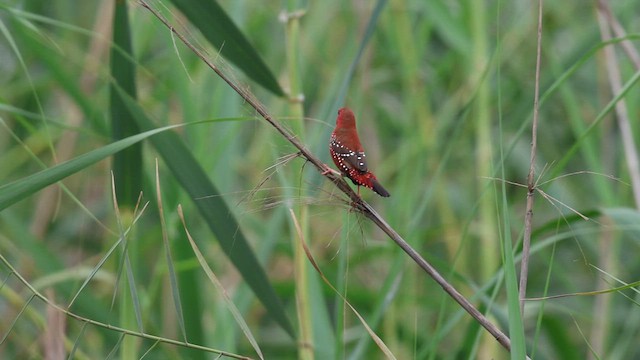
(291,18)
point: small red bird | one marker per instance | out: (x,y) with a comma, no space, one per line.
(348,155)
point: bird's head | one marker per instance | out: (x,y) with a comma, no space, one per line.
(346,118)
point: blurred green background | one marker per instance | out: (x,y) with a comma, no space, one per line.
(443,92)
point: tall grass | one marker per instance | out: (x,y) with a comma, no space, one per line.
(443,94)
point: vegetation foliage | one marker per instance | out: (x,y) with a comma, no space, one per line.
(146,211)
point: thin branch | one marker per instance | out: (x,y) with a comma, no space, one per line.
(531,186)
(356,201)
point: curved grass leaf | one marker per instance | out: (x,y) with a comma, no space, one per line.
(222,33)
(20,189)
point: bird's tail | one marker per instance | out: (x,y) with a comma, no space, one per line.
(375,186)
(369,180)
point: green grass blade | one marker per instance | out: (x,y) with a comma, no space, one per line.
(218,28)
(173,279)
(116,347)
(135,299)
(15,320)
(76,343)
(20,189)
(95,270)
(127,164)
(127,168)
(516,325)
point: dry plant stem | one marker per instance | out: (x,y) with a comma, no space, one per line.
(531,186)
(622,115)
(357,202)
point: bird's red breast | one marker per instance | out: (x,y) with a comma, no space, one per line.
(348,155)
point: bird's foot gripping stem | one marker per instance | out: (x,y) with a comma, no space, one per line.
(328,170)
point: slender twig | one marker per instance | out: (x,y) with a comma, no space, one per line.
(531,186)
(356,201)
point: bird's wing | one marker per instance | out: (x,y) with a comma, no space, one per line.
(354,159)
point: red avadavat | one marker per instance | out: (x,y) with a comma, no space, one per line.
(348,155)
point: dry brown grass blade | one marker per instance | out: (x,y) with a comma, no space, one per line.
(356,201)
